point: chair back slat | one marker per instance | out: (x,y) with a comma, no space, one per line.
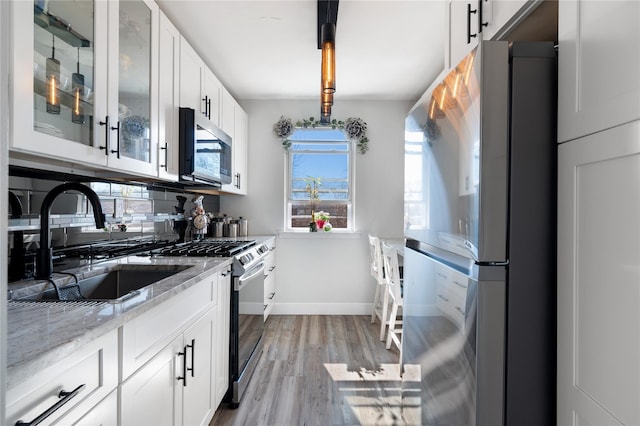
(375,256)
(392,270)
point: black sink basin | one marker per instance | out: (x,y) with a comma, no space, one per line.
(112,285)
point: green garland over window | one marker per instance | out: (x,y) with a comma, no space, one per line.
(354,129)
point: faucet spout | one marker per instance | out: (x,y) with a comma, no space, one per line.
(44,262)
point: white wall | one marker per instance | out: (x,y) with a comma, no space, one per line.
(325,273)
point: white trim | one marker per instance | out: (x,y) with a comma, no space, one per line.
(5,28)
(321,309)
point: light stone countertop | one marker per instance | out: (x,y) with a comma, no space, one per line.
(42,333)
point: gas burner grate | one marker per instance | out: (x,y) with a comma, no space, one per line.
(206,248)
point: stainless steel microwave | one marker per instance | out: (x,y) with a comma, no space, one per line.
(205,150)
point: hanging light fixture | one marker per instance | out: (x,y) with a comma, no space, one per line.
(53,81)
(327,19)
(328,57)
(77,88)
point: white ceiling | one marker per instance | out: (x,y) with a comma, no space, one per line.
(263,49)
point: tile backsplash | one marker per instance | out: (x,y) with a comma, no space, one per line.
(132,211)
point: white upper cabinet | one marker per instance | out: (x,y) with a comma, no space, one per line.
(598,66)
(472,20)
(133,90)
(239,149)
(169,100)
(200,89)
(59,80)
(85,96)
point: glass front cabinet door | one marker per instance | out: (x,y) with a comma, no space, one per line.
(83,76)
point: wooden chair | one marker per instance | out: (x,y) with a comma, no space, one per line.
(394,290)
(381,298)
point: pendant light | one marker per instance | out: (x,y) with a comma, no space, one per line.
(77,88)
(328,32)
(53,81)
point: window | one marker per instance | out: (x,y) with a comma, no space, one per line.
(324,154)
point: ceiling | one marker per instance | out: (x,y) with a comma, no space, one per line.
(263,49)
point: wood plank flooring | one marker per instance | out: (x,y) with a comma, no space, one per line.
(320,370)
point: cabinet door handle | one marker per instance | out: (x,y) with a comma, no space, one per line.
(205,104)
(66,397)
(193,357)
(184,368)
(106,135)
(272,295)
(469,12)
(166,156)
(117,150)
(480,20)
(238,180)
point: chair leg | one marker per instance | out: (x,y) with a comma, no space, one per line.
(392,324)
(384,320)
(376,301)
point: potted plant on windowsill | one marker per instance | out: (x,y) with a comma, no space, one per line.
(322,221)
(313,183)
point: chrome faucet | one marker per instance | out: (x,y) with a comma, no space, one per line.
(44,262)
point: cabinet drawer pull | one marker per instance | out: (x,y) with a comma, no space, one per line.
(66,397)
(193,357)
(443,298)
(480,20)
(166,156)
(117,150)
(184,368)
(459,309)
(469,12)
(265,307)
(459,284)
(272,295)
(106,135)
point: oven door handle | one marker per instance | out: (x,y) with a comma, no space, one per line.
(243,279)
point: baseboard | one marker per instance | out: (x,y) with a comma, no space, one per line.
(321,309)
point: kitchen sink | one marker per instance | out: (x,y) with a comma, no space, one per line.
(117,284)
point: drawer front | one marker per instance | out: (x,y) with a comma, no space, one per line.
(148,333)
(95,366)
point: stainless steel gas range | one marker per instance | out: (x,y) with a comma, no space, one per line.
(247,292)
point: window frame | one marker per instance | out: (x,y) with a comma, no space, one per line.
(350,201)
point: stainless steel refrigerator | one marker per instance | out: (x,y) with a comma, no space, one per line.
(480,225)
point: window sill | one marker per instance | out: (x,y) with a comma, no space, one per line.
(320,234)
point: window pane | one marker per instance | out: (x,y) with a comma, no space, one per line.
(311,135)
(326,147)
(320,165)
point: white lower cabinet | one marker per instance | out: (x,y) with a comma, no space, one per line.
(179,354)
(198,404)
(92,371)
(269,282)
(599,278)
(153,396)
(174,387)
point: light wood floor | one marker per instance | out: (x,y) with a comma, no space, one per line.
(320,370)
